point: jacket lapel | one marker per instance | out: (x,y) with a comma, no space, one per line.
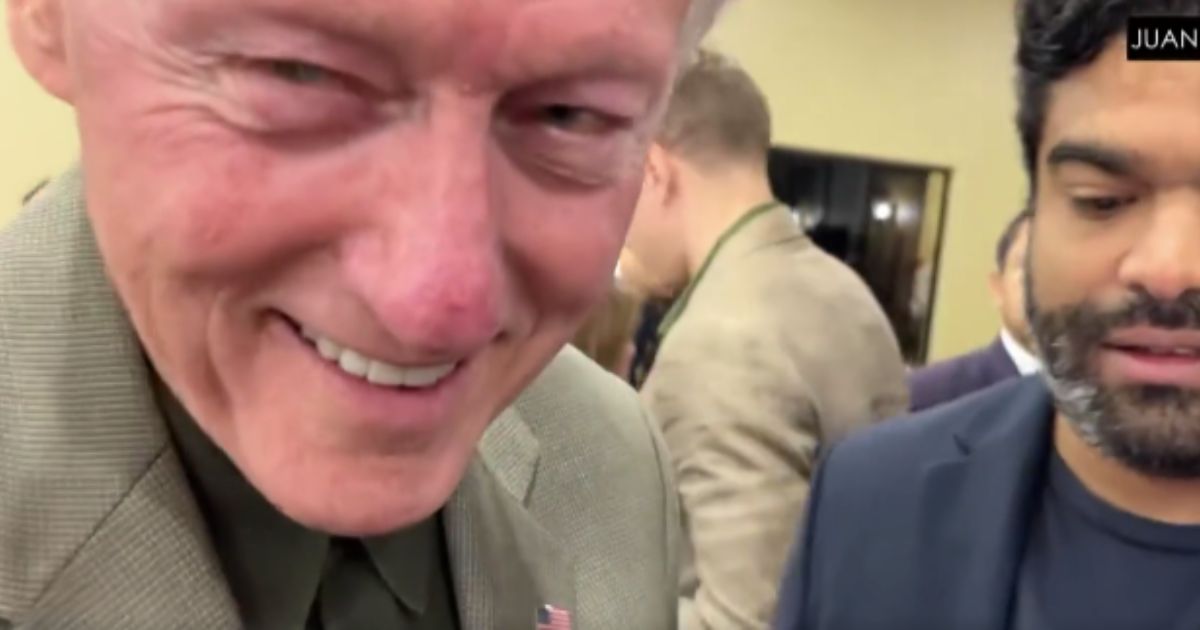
(505,564)
(146,567)
(99,528)
(976,508)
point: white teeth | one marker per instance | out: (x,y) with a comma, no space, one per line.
(375,371)
(1174,352)
(386,375)
(354,363)
(391,376)
(328,349)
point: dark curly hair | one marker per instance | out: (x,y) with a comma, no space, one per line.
(1057,37)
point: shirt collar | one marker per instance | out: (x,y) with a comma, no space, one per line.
(1027,364)
(273,564)
(405,561)
(681,302)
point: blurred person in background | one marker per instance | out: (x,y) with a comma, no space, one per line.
(771,349)
(607,334)
(287,349)
(655,302)
(645,339)
(1011,355)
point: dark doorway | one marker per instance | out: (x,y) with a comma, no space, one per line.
(883,219)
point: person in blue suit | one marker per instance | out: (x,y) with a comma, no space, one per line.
(1011,355)
(1070,501)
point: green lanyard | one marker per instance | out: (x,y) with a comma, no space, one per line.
(680,304)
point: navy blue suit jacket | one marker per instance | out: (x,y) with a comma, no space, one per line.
(954,378)
(919,523)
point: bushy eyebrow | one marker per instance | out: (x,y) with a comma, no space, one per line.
(1111,160)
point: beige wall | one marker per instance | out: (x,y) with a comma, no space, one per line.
(37,134)
(927,81)
(913,80)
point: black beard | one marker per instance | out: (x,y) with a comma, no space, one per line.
(1153,429)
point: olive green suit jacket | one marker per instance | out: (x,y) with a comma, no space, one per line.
(569,502)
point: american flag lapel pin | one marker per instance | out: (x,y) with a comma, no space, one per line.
(553,618)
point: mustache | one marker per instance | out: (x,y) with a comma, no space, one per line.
(1087,323)
(1144,309)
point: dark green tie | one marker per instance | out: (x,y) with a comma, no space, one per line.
(352,595)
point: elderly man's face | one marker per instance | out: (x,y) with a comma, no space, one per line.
(349,232)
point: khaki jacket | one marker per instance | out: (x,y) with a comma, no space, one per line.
(780,349)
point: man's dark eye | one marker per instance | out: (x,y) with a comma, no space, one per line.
(1101,205)
(576,120)
(298,72)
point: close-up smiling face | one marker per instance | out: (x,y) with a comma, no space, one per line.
(349,233)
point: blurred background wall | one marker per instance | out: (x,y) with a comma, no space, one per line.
(926,81)
(37,133)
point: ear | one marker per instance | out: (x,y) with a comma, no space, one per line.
(655,167)
(38,35)
(662,174)
(996,288)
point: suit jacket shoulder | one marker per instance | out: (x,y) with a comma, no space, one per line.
(890,459)
(922,516)
(604,476)
(882,471)
(950,379)
(573,398)
(800,313)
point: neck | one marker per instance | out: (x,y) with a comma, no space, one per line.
(719,201)
(1173,501)
(1022,338)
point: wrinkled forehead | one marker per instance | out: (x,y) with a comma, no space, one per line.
(502,35)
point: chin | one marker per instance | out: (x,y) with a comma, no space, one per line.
(362,498)
(363,521)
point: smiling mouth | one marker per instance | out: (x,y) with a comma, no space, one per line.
(1162,362)
(1162,352)
(369,369)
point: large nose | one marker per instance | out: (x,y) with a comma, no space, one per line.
(1165,257)
(429,259)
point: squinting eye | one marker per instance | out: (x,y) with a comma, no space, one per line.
(298,72)
(285,95)
(576,120)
